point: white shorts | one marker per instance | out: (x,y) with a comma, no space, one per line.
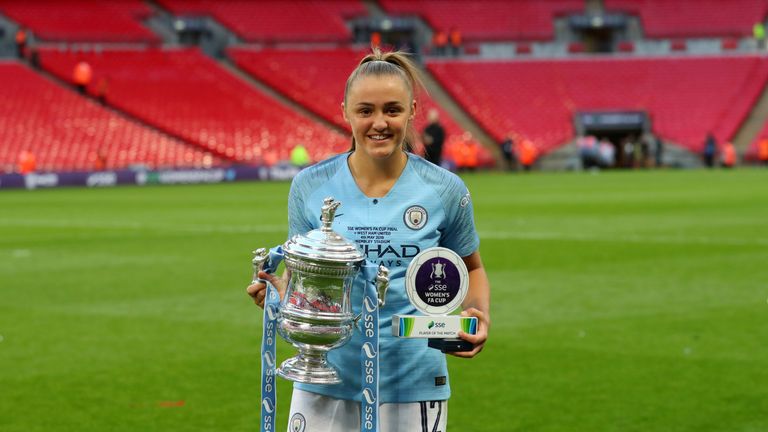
(311,412)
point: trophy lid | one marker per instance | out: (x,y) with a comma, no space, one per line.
(323,244)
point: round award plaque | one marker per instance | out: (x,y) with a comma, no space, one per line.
(437,281)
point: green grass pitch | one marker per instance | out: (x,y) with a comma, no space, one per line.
(621,302)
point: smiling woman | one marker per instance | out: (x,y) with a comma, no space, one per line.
(395,205)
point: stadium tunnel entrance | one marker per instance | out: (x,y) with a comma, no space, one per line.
(599,32)
(623,130)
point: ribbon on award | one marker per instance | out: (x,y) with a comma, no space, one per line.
(376,283)
(268,262)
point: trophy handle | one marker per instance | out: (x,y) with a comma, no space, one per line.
(382,284)
(260,258)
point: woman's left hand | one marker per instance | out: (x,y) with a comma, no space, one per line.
(478,339)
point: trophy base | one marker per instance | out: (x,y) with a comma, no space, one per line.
(309,369)
(450,345)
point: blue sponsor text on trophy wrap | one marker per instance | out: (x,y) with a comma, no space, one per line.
(268,340)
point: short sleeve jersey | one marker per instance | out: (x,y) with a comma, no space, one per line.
(428,206)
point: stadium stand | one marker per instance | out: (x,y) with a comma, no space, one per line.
(272,20)
(685,96)
(66,132)
(491,19)
(82,20)
(190,96)
(693,18)
(316,80)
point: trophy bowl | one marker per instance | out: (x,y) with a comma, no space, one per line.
(316,313)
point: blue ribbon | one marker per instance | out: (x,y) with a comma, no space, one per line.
(269,337)
(369,408)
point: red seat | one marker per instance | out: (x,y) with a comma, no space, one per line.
(82,20)
(189,95)
(490,19)
(693,18)
(686,97)
(66,131)
(316,80)
(276,20)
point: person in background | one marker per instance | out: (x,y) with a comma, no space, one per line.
(440,43)
(758,31)
(728,155)
(455,40)
(607,153)
(102,88)
(762,151)
(21,42)
(434,138)
(82,76)
(710,149)
(27,162)
(628,152)
(508,151)
(659,151)
(527,154)
(300,156)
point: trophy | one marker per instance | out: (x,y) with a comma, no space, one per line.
(315,315)
(436,282)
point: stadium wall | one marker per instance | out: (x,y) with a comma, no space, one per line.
(142,178)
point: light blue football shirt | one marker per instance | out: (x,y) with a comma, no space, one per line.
(427,207)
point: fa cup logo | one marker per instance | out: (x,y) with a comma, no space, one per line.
(438,270)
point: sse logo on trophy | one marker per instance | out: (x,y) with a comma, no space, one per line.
(436,281)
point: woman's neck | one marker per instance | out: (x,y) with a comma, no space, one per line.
(375,177)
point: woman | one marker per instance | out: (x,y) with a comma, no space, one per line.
(379,184)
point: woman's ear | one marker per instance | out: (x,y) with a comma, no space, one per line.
(344,113)
(413,110)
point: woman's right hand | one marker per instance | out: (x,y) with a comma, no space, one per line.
(258,290)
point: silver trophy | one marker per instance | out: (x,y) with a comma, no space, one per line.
(315,314)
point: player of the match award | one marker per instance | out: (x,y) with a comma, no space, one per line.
(437,282)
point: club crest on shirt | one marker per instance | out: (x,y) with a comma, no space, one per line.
(415,217)
(464,200)
(297,423)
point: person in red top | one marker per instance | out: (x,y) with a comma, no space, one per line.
(762,151)
(440,42)
(21,41)
(728,155)
(455,39)
(528,153)
(82,76)
(27,162)
(376,39)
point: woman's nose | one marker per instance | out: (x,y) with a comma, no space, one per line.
(380,122)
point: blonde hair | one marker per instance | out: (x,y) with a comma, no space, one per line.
(394,63)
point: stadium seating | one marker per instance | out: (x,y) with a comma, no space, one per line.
(316,80)
(685,97)
(693,18)
(190,96)
(66,131)
(82,20)
(491,19)
(274,20)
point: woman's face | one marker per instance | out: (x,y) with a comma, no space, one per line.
(378,108)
